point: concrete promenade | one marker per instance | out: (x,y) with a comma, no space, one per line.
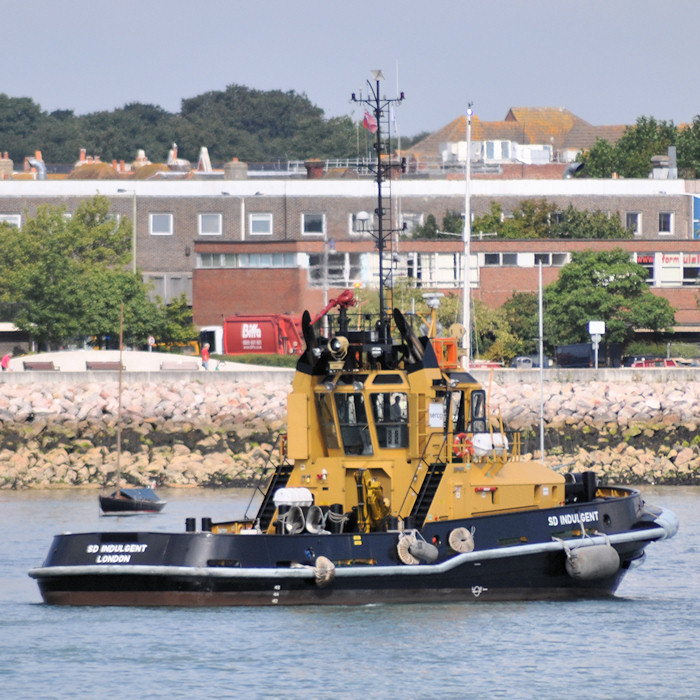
(153,367)
(71,367)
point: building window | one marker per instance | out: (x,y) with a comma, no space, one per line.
(633,222)
(210,224)
(313,224)
(344,269)
(646,260)
(666,223)
(246,260)
(169,287)
(492,259)
(410,222)
(543,258)
(260,224)
(160,224)
(560,259)
(12,219)
(360,223)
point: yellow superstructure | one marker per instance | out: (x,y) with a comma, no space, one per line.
(410,443)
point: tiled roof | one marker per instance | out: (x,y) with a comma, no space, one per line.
(524,125)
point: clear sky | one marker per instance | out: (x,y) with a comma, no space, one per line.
(608,61)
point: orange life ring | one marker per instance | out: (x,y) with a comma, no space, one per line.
(462,445)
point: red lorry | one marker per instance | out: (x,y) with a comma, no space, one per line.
(273,334)
(270,334)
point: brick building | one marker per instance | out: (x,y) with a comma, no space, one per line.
(281,244)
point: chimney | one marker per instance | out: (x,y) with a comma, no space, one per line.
(314,168)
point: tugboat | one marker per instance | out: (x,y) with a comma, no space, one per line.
(393,484)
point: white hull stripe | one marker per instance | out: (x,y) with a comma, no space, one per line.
(305,571)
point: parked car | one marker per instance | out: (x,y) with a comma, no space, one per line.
(529,362)
(654,362)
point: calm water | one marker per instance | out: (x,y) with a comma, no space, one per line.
(642,644)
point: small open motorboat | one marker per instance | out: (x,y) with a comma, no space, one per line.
(140,500)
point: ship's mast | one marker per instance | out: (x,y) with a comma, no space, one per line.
(376,107)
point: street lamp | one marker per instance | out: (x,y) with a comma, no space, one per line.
(466,237)
(133,226)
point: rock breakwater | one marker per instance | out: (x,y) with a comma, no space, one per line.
(190,433)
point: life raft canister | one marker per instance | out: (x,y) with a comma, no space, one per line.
(462,445)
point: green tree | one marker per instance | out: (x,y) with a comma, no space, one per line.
(602,286)
(174,322)
(578,224)
(428,229)
(601,160)
(521,312)
(452,223)
(21,124)
(647,138)
(541,219)
(69,276)
(689,150)
(631,155)
(119,134)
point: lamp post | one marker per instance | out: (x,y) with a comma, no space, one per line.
(466,237)
(133,227)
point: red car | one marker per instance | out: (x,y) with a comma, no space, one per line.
(654,362)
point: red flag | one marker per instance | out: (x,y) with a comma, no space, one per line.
(369,122)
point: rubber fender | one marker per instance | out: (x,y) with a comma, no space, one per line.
(461,540)
(402,549)
(590,563)
(423,550)
(324,571)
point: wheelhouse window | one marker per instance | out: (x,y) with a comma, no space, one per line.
(477,416)
(324,406)
(210,224)
(390,413)
(354,427)
(260,224)
(456,410)
(313,224)
(160,224)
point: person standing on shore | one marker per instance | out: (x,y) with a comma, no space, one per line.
(205,356)
(5,362)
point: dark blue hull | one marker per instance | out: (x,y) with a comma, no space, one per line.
(516,556)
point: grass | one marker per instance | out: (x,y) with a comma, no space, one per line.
(264,360)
